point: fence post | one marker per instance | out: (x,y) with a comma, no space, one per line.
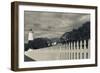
(89,48)
(80,44)
(75,45)
(85,44)
(71,45)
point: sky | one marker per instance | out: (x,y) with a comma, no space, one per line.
(52,24)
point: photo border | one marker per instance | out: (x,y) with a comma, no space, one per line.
(15,34)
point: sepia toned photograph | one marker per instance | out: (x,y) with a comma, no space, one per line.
(56,36)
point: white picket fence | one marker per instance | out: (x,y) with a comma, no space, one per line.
(70,51)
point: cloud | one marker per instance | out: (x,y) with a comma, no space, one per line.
(49,22)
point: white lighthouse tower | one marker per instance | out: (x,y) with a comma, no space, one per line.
(30,39)
(30,35)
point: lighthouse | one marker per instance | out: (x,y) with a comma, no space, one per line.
(30,38)
(30,35)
